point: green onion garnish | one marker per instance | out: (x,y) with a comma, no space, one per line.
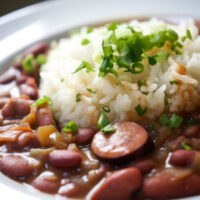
(141,83)
(174,82)
(164,120)
(190,122)
(166,101)
(84,65)
(78,97)
(85,41)
(152,126)
(91,91)
(188,35)
(62,80)
(185,146)
(42,102)
(104,123)
(106,109)
(70,127)
(41,59)
(140,110)
(89,29)
(28,63)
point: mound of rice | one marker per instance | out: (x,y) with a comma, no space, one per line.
(121,94)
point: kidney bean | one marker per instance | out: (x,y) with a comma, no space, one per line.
(119,185)
(3,101)
(183,158)
(28,139)
(192,130)
(69,190)
(145,166)
(129,139)
(29,91)
(175,144)
(37,49)
(9,76)
(15,166)
(46,182)
(44,117)
(64,159)
(166,186)
(84,136)
(16,107)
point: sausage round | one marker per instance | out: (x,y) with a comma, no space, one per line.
(166,186)
(15,166)
(128,139)
(64,158)
(119,185)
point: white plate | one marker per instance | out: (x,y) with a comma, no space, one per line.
(51,20)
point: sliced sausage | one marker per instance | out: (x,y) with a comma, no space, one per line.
(129,139)
(46,182)
(44,117)
(84,136)
(183,158)
(145,166)
(16,107)
(37,49)
(15,166)
(64,159)
(167,186)
(119,185)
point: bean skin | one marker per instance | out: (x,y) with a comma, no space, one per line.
(15,166)
(84,136)
(145,166)
(119,185)
(167,186)
(44,117)
(28,139)
(192,130)
(182,158)
(46,183)
(64,159)
(37,49)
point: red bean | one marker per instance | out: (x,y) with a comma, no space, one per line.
(29,91)
(9,76)
(46,182)
(129,139)
(64,159)
(28,139)
(44,117)
(182,158)
(145,166)
(166,186)
(192,130)
(68,190)
(84,136)
(37,49)
(15,166)
(119,185)
(16,108)
(3,101)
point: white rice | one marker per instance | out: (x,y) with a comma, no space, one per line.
(123,97)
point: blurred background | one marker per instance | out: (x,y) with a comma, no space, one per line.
(7,6)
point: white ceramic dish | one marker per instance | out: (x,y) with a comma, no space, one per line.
(53,19)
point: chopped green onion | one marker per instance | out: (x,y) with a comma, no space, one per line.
(106,109)
(28,63)
(91,91)
(190,122)
(152,60)
(139,110)
(71,127)
(175,121)
(84,65)
(141,83)
(62,80)
(78,97)
(185,146)
(178,52)
(113,26)
(166,101)
(152,126)
(41,59)
(104,123)
(188,35)
(164,120)
(174,82)
(42,102)
(85,41)
(89,29)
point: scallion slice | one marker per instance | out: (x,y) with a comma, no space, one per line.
(42,102)
(71,127)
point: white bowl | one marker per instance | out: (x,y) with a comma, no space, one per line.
(52,20)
